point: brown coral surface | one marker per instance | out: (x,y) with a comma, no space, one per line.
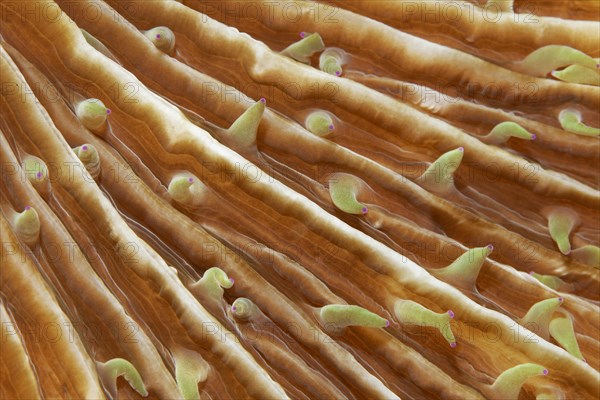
(114,272)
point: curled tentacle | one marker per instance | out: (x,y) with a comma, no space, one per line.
(244,309)
(339,316)
(332,60)
(27,225)
(242,133)
(561,329)
(190,369)
(439,177)
(411,313)
(539,316)
(303,49)
(464,270)
(187,189)
(320,123)
(212,283)
(509,383)
(561,222)
(578,74)
(588,254)
(92,113)
(549,58)
(112,369)
(36,171)
(504,131)
(570,120)
(343,189)
(89,158)
(162,37)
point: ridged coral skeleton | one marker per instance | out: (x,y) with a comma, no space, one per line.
(350,184)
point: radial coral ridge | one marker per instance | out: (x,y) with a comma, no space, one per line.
(354,212)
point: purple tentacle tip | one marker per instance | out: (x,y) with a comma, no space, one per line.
(461,149)
(302,34)
(331,127)
(38,175)
(451,313)
(263,100)
(231,280)
(84,148)
(533,136)
(490,246)
(387,323)
(27,208)
(158,35)
(453,344)
(365,210)
(190,180)
(531,272)
(560,299)
(338,73)
(108,111)
(545,372)
(233,308)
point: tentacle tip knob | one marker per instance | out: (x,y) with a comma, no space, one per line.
(533,136)
(231,280)
(560,299)
(450,313)
(331,127)
(191,180)
(158,35)
(39,175)
(387,323)
(338,73)
(461,149)
(531,272)
(233,308)
(263,100)
(490,246)
(302,34)
(453,344)
(108,111)
(84,148)
(27,208)
(545,372)
(365,210)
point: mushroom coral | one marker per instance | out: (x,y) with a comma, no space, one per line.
(196,204)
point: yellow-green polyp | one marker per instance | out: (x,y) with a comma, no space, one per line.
(27,225)
(92,113)
(508,384)
(304,48)
(320,123)
(570,120)
(439,177)
(162,37)
(339,316)
(112,369)
(344,189)
(409,312)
